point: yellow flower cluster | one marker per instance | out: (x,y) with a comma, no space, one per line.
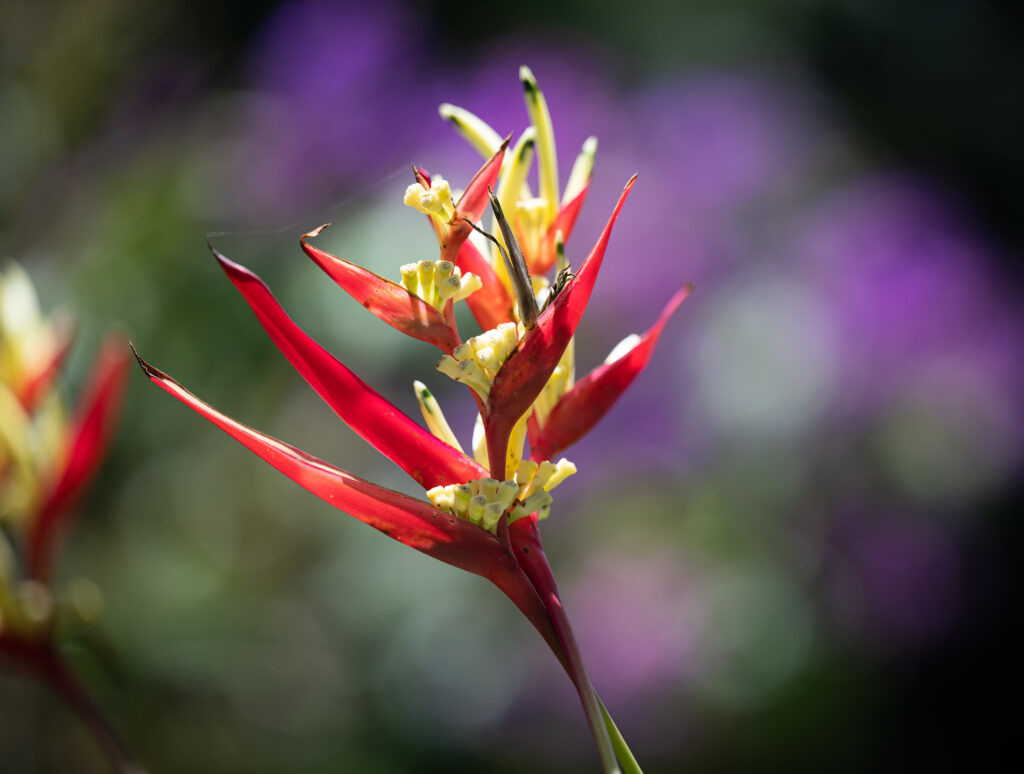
(482,501)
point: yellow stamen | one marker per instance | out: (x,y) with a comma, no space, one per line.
(468,285)
(561,262)
(563,469)
(428,288)
(480,442)
(434,201)
(476,508)
(582,169)
(433,415)
(475,130)
(410,278)
(483,501)
(525,472)
(511,187)
(514,453)
(535,502)
(531,219)
(467,372)
(547,162)
(477,361)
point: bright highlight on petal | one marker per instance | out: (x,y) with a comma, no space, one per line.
(403,518)
(421,455)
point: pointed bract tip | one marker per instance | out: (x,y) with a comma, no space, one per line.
(216,253)
(314,233)
(505,142)
(526,76)
(147,369)
(421,176)
(629,183)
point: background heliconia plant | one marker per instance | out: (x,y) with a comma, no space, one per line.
(484,508)
(47,457)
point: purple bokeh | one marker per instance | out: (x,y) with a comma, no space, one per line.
(738,192)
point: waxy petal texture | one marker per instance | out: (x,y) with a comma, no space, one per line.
(528,369)
(410,521)
(471,205)
(388,300)
(430,461)
(591,397)
(491,305)
(95,422)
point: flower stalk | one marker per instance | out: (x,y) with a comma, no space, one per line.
(46,461)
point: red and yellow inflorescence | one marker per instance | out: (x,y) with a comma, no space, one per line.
(481,508)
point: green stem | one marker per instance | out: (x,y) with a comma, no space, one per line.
(535,564)
(625,755)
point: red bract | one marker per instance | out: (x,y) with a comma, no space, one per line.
(86,442)
(410,521)
(471,205)
(386,299)
(528,369)
(37,384)
(589,400)
(563,223)
(491,305)
(428,460)
(27,598)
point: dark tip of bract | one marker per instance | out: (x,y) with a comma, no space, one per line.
(147,369)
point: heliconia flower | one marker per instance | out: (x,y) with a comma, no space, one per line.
(45,463)
(482,509)
(422,306)
(549,377)
(85,444)
(32,348)
(537,219)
